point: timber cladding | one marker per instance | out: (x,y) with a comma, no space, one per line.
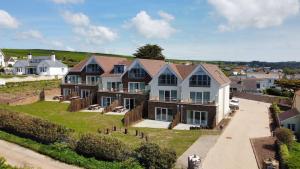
(183,109)
(126,79)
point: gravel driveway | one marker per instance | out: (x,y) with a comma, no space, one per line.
(20,156)
(233,149)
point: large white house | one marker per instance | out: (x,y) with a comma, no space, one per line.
(40,65)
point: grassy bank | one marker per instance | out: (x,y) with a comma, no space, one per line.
(83,122)
(60,152)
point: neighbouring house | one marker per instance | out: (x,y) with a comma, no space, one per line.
(293,76)
(2,59)
(10,61)
(40,65)
(291,118)
(200,93)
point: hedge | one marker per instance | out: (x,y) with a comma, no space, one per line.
(102,147)
(64,154)
(30,127)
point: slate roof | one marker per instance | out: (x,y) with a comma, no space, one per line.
(55,63)
(152,66)
(216,73)
(288,114)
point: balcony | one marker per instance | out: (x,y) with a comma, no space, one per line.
(83,83)
(124,90)
(178,100)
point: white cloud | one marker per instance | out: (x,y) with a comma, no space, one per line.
(92,34)
(68,1)
(241,14)
(153,28)
(35,35)
(31,34)
(76,19)
(7,21)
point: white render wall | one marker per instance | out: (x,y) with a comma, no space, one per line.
(19,73)
(52,71)
(293,120)
(223,103)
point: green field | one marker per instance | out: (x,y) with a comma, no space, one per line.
(83,122)
(68,57)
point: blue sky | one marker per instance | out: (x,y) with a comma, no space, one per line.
(241,30)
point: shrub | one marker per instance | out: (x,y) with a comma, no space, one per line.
(284,136)
(33,128)
(275,108)
(151,156)
(102,147)
(284,152)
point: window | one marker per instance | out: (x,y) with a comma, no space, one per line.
(67,91)
(137,73)
(200,97)
(113,85)
(197,117)
(92,68)
(119,69)
(106,101)
(136,86)
(167,95)
(291,127)
(85,93)
(200,81)
(258,85)
(92,80)
(43,69)
(167,80)
(19,69)
(73,79)
(163,114)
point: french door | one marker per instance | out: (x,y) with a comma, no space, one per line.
(163,114)
(106,101)
(129,103)
(197,117)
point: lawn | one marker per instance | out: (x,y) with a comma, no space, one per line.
(24,87)
(294,156)
(83,122)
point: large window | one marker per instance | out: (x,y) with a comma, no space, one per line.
(200,81)
(136,86)
(119,69)
(85,93)
(92,80)
(43,69)
(136,73)
(200,97)
(163,114)
(92,68)
(73,79)
(167,79)
(291,127)
(113,85)
(167,95)
(19,69)
(197,117)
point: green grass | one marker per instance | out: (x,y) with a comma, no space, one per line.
(83,122)
(294,156)
(24,87)
(11,76)
(68,57)
(60,152)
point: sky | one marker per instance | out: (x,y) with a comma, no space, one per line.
(230,30)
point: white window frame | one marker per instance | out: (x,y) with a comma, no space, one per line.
(171,97)
(88,80)
(102,101)
(167,111)
(139,86)
(202,101)
(85,93)
(124,101)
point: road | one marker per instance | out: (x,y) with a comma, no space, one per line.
(233,149)
(20,156)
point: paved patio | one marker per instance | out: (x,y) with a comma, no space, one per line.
(153,124)
(182,126)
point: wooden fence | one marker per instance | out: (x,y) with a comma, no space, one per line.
(134,115)
(112,106)
(80,103)
(175,120)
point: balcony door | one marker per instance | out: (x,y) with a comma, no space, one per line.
(197,118)
(129,103)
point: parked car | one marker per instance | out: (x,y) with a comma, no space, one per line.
(234,104)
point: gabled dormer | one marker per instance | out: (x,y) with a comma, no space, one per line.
(167,78)
(92,66)
(137,71)
(119,69)
(200,78)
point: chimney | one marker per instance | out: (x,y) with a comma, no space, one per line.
(29,56)
(53,56)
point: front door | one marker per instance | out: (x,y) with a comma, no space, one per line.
(129,103)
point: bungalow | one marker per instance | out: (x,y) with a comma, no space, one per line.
(40,65)
(291,118)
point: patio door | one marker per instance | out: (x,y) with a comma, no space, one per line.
(85,93)
(106,101)
(163,114)
(129,103)
(197,118)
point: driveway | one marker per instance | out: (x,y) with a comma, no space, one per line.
(20,156)
(233,149)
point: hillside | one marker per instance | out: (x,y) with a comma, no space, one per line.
(68,57)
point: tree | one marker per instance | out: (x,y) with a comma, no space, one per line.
(150,52)
(293,85)
(284,135)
